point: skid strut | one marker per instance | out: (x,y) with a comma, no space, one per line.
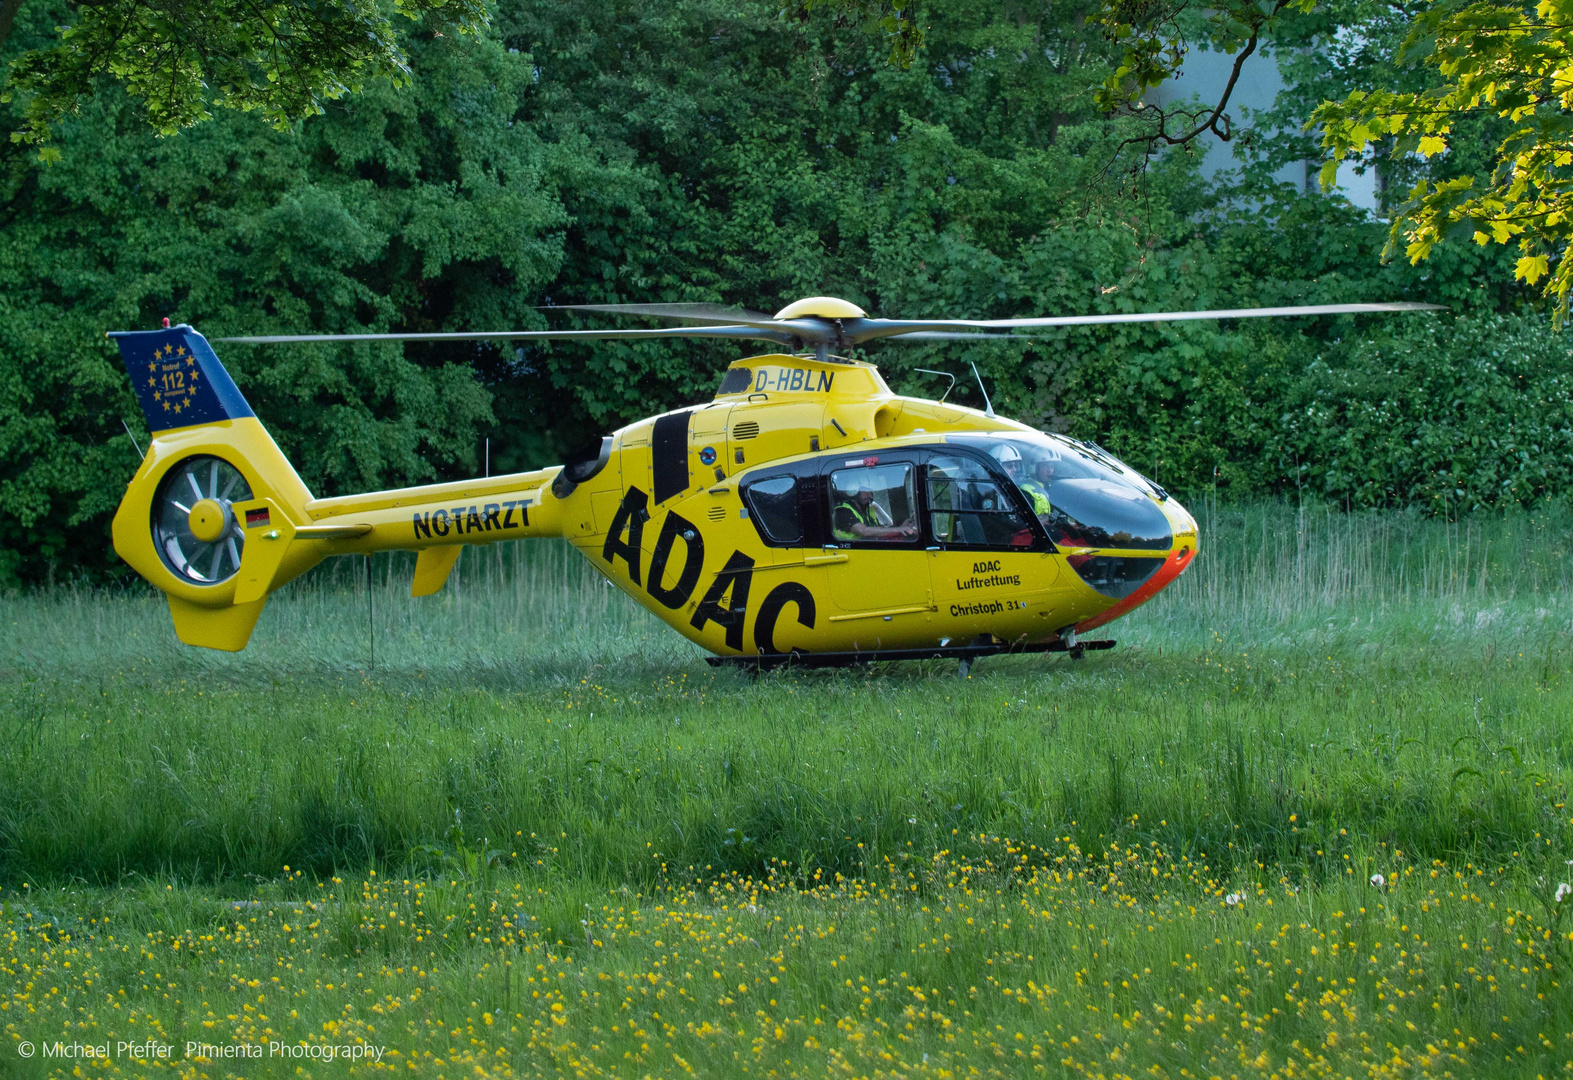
(963,653)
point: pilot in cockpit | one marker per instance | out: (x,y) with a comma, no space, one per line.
(1037,492)
(1044,469)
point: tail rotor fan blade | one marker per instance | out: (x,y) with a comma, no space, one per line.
(200,562)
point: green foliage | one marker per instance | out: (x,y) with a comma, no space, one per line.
(282,59)
(393,206)
(1446,416)
(1492,61)
(713,151)
(1467,102)
(1440,414)
(899,25)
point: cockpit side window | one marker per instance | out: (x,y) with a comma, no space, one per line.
(968,508)
(874,504)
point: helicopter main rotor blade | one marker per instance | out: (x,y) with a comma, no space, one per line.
(701,313)
(858,330)
(813,330)
(949,335)
(757,333)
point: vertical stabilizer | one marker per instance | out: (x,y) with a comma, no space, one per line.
(178,379)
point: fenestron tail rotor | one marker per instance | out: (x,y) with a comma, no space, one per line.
(194,526)
(825,322)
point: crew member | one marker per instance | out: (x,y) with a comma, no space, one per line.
(1037,487)
(1010,460)
(856,516)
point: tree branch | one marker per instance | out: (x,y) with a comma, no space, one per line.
(1216,120)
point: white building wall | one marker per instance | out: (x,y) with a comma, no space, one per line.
(1204,76)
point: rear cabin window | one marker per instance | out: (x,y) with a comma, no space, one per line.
(736,381)
(874,504)
(968,507)
(773,504)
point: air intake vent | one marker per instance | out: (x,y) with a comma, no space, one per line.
(718,513)
(748,429)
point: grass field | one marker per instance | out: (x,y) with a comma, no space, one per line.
(1308,819)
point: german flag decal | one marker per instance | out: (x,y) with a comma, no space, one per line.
(258,518)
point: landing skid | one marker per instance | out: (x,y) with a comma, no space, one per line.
(964,653)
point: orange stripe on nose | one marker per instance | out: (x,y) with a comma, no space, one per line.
(1171,568)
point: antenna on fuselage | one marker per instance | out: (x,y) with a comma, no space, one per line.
(132,437)
(988,406)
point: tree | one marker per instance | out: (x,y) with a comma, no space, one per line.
(393,209)
(1154,38)
(897,23)
(279,58)
(586,151)
(1509,63)
(1489,75)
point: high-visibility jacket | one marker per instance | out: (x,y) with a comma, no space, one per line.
(1038,496)
(858,514)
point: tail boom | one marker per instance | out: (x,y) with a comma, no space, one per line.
(482,511)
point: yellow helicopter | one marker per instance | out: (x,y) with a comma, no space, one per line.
(806,515)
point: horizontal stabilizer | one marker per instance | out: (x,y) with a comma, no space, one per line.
(226,628)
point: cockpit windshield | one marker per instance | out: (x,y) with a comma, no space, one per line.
(1083,498)
(1070,460)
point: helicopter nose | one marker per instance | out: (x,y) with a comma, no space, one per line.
(1116,537)
(1159,569)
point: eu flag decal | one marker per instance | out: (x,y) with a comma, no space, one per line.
(178,379)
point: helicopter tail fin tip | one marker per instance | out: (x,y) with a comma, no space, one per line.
(178,379)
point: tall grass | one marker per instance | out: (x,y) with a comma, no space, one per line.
(1271,574)
(510,613)
(1266,575)
(1315,685)
(535,834)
